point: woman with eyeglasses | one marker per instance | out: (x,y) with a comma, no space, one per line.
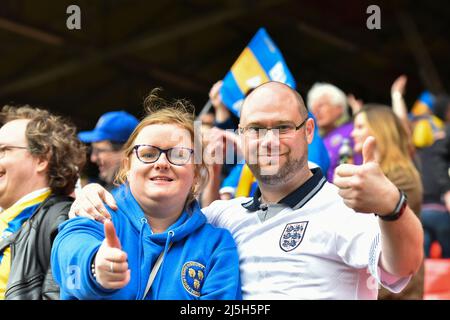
(158,244)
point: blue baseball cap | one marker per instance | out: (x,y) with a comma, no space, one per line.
(114,126)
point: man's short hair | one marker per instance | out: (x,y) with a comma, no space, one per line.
(53,138)
(300,103)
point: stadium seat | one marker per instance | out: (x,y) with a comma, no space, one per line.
(435,250)
(437,279)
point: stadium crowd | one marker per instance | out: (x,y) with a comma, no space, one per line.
(318,199)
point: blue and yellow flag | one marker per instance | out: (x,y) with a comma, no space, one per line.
(260,62)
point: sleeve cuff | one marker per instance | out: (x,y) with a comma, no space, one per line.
(93,285)
(392,283)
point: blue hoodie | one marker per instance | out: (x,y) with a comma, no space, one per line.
(201,262)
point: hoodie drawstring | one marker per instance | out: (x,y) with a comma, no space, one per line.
(171,234)
(141,241)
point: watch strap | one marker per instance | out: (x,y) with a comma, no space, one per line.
(399,208)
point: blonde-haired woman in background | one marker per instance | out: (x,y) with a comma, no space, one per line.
(393,151)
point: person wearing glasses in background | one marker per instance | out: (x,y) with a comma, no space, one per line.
(107,139)
(40,159)
(299,236)
(159,245)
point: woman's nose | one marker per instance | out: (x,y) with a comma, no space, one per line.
(162,162)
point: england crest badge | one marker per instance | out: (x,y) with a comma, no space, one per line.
(292,235)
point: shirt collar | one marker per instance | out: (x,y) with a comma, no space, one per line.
(297,198)
(31,195)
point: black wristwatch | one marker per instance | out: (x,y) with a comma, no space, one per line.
(399,208)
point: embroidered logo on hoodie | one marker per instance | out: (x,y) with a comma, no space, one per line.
(192,276)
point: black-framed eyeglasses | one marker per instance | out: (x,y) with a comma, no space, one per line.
(4,148)
(285,129)
(147,153)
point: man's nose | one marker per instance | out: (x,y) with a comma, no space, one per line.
(94,157)
(271,138)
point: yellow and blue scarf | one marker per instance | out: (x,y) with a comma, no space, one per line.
(11,220)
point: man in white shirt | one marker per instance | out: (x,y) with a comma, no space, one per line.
(299,237)
(308,245)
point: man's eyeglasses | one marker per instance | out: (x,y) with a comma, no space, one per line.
(4,148)
(149,154)
(282,130)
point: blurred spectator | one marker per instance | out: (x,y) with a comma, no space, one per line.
(392,152)
(207,121)
(40,159)
(222,149)
(427,127)
(224,119)
(107,139)
(216,142)
(398,103)
(398,106)
(328,104)
(435,163)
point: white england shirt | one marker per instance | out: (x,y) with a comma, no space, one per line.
(308,246)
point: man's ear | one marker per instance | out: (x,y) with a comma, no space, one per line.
(42,164)
(309,129)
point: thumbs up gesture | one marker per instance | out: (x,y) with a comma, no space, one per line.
(111,264)
(365,188)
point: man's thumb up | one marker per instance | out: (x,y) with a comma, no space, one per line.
(110,235)
(368,150)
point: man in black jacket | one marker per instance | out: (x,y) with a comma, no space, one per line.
(40,158)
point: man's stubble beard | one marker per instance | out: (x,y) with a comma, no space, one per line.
(282,175)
